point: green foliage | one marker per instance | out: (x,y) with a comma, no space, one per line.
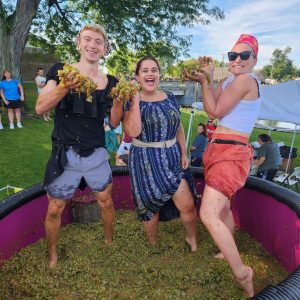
(219,64)
(127,22)
(266,71)
(295,71)
(138,26)
(132,269)
(122,62)
(175,70)
(281,67)
(7,14)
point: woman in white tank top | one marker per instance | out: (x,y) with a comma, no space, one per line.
(227,159)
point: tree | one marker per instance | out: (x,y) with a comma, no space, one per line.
(55,24)
(123,60)
(281,67)
(14,29)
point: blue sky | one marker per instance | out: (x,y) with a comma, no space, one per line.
(276,24)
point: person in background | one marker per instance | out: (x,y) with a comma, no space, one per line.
(40,81)
(1,105)
(118,131)
(210,128)
(78,138)
(268,158)
(123,151)
(198,146)
(110,136)
(162,185)
(12,94)
(236,103)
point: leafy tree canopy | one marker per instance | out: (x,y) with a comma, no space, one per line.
(138,25)
(281,67)
(123,60)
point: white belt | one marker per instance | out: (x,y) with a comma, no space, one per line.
(163,144)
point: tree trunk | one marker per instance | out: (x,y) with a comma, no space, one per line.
(4,53)
(13,39)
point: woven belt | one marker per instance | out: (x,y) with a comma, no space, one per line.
(163,144)
(221,141)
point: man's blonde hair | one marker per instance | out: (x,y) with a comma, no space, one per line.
(94,27)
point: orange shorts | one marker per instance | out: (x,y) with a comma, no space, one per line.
(227,166)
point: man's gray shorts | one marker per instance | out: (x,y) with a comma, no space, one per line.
(95,169)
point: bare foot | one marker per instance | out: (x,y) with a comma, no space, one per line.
(52,261)
(219,256)
(192,243)
(107,242)
(246,282)
(152,242)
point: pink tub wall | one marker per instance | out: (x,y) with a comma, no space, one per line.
(25,225)
(272,223)
(254,212)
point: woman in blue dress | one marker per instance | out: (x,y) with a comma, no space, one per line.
(161,182)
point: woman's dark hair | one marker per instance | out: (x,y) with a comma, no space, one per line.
(37,71)
(265,138)
(204,129)
(3,76)
(138,65)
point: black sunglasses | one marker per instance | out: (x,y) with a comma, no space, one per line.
(232,56)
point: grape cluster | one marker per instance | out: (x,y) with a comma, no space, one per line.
(124,90)
(187,71)
(87,85)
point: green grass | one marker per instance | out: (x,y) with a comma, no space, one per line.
(24,152)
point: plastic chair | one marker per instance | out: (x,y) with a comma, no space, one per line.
(290,180)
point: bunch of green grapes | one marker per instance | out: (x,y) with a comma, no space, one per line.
(187,71)
(87,85)
(124,90)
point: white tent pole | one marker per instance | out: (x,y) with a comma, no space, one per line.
(191,118)
(291,150)
(189,129)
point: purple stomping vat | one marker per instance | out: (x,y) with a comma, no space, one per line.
(266,211)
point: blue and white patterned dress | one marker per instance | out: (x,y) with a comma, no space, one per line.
(156,173)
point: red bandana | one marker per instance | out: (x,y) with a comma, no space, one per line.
(250,40)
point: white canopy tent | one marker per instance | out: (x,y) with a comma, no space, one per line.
(280,102)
